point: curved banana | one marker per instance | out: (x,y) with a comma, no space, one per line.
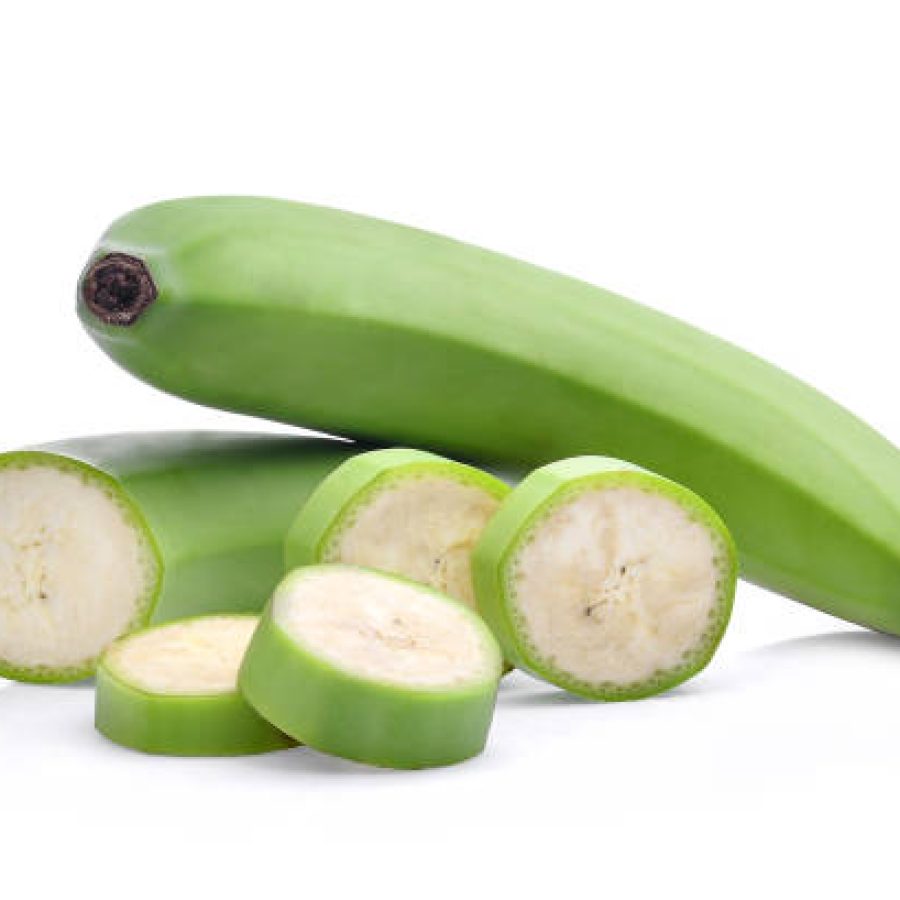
(360,327)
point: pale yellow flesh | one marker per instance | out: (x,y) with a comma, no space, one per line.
(381,629)
(74,570)
(615,585)
(193,657)
(422,527)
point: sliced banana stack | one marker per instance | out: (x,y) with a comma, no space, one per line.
(172,690)
(373,668)
(605,579)
(405,512)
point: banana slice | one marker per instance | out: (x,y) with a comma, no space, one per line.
(374,668)
(405,512)
(78,566)
(172,689)
(605,579)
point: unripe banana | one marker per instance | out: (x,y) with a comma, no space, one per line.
(605,579)
(404,512)
(172,689)
(99,536)
(373,668)
(360,327)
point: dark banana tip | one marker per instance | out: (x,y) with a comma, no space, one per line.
(117,288)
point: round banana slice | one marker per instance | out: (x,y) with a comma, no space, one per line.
(605,579)
(404,512)
(373,668)
(172,689)
(78,566)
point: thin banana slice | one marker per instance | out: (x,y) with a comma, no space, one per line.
(172,690)
(605,579)
(374,668)
(405,512)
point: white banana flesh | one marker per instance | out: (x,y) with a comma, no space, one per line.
(616,584)
(422,527)
(193,657)
(384,629)
(75,572)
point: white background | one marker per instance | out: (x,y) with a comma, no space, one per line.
(735,164)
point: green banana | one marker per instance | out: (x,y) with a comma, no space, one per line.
(99,536)
(361,327)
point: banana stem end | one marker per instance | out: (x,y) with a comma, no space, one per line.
(117,288)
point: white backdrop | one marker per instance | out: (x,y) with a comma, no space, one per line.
(735,164)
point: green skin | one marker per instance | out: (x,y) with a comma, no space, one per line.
(180,724)
(333,710)
(352,485)
(360,327)
(541,492)
(213,508)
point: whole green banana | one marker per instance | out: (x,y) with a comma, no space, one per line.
(99,536)
(365,328)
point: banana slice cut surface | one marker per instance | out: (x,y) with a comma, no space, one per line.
(606,579)
(384,630)
(77,566)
